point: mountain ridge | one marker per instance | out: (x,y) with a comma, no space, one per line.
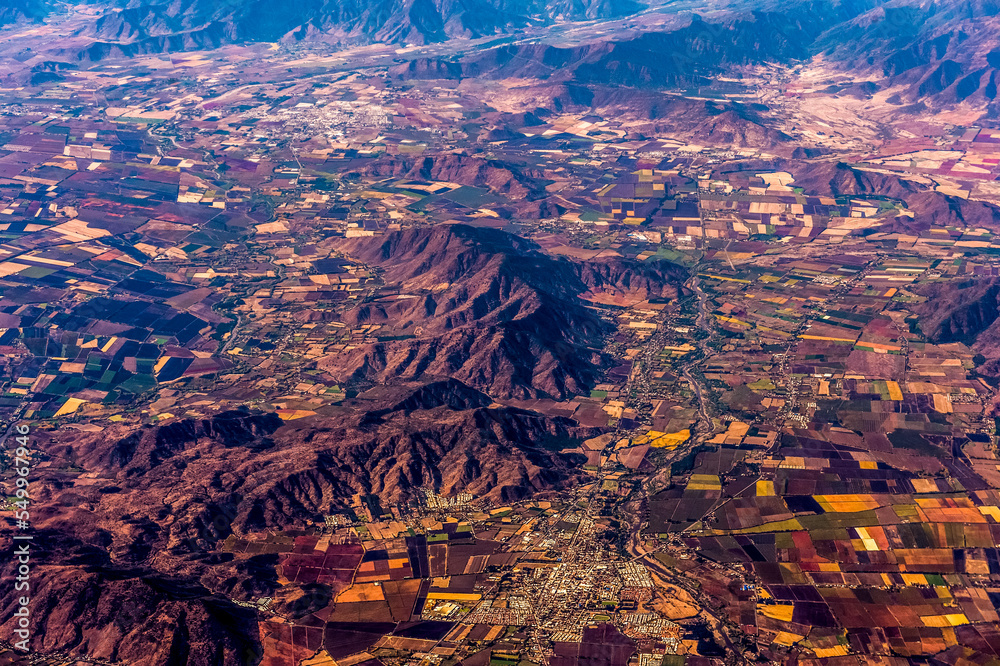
(143,27)
(492,310)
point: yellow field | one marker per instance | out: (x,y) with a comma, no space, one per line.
(781,612)
(362,592)
(663,440)
(823,337)
(847,503)
(454,596)
(704,482)
(951,620)
(894,391)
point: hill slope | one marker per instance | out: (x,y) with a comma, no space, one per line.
(965,312)
(491,311)
(23,11)
(946,52)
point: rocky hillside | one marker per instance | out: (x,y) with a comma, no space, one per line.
(931,208)
(442,435)
(959,312)
(943,52)
(838,178)
(130,615)
(13,12)
(738,130)
(491,310)
(967,312)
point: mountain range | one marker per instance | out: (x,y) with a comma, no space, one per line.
(146,26)
(945,50)
(23,11)
(132,570)
(938,52)
(492,310)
